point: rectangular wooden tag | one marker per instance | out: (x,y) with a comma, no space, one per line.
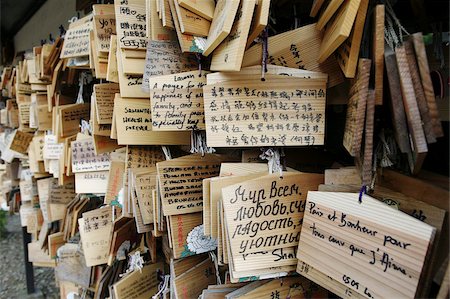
(158,32)
(204,8)
(177,101)
(378,51)
(165,58)
(229,54)
(76,41)
(91,182)
(104,27)
(191,23)
(297,49)
(70,116)
(180,227)
(131,24)
(254,113)
(111,71)
(84,158)
(104,101)
(356,109)
(180,182)
(359,250)
(134,125)
(139,285)
(252,206)
(260,20)
(20,142)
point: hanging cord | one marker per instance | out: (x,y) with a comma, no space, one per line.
(163,287)
(265,53)
(198,143)
(393,38)
(199,61)
(135,262)
(166,151)
(361,193)
(216,266)
(273,160)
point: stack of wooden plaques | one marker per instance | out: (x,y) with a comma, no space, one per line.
(137,143)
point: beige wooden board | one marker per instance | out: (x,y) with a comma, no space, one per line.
(129,53)
(242,113)
(70,116)
(143,156)
(348,53)
(187,41)
(396,104)
(253,204)
(180,227)
(216,185)
(191,283)
(296,49)
(104,101)
(283,287)
(315,8)
(130,85)
(20,142)
(328,13)
(339,29)
(139,285)
(419,143)
(368,153)
(357,248)
(131,24)
(91,182)
(221,24)
(158,32)
(76,42)
(26,190)
(419,92)
(96,128)
(166,16)
(115,180)
(144,184)
(228,55)
(356,109)
(273,71)
(44,118)
(203,8)
(342,176)
(141,227)
(191,23)
(260,20)
(378,51)
(104,27)
(104,144)
(207,207)
(84,158)
(134,125)
(180,182)
(132,66)
(165,58)
(326,281)
(60,194)
(424,70)
(111,71)
(95,229)
(177,101)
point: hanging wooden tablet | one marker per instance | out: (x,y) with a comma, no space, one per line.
(95,229)
(228,55)
(419,143)
(419,92)
(139,284)
(104,24)
(145,183)
(104,101)
(70,117)
(339,29)
(91,182)
(84,158)
(76,42)
(296,49)
(367,172)
(378,51)
(130,85)
(424,70)
(165,58)
(130,24)
(396,103)
(166,19)
(180,182)
(111,71)
(328,13)
(158,32)
(260,20)
(204,8)
(191,23)
(221,24)
(20,142)
(134,125)
(251,121)
(348,53)
(187,42)
(393,250)
(177,101)
(191,283)
(277,201)
(356,109)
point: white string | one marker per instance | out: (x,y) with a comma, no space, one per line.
(273,160)
(163,288)
(390,35)
(216,265)
(198,143)
(135,262)
(166,151)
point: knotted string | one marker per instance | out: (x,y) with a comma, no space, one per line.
(199,61)
(198,143)
(163,287)
(361,192)
(273,160)
(390,35)
(216,266)
(264,40)
(135,262)
(166,151)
